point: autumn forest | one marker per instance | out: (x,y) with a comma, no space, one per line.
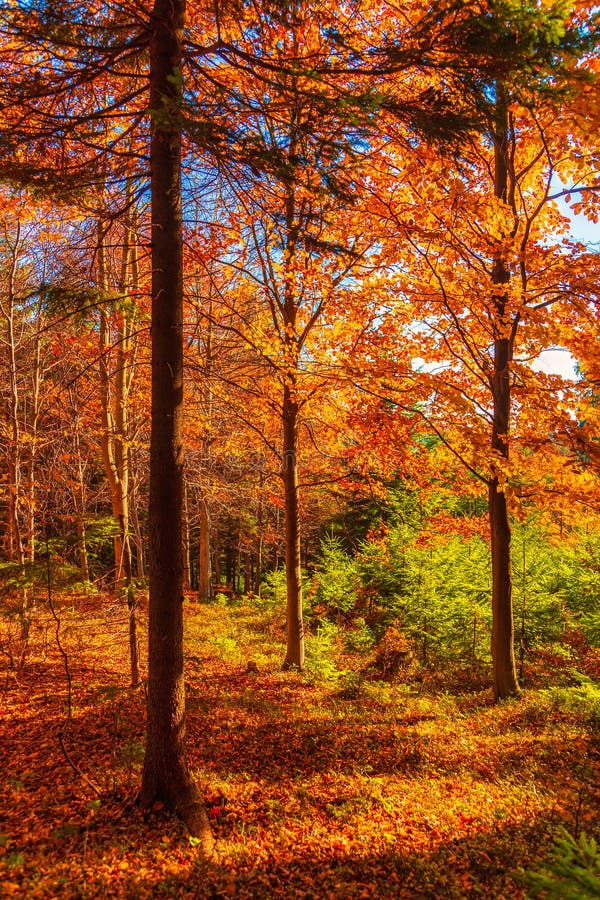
(300,440)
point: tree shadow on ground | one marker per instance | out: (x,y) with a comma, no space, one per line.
(275,741)
(482,865)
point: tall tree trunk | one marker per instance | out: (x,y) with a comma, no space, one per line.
(140,565)
(290,411)
(15,540)
(259,535)
(129,284)
(84,565)
(215,553)
(205,352)
(79,490)
(114,412)
(107,436)
(229,565)
(204,573)
(295,626)
(36,386)
(276,556)
(247,572)
(186,540)
(166,776)
(503,657)
(237,581)
(258,563)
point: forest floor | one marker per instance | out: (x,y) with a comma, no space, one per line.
(318,785)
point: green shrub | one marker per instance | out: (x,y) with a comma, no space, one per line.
(321,650)
(359,638)
(571,873)
(273,589)
(335,583)
(583,700)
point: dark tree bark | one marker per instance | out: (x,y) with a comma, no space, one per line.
(247,572)
(166,777)
(114,417)
(290,413)
(503,658)
(293,568)
(14,543)
(259,537)
(204,554)
(187,566)
(230,564)
(215,564)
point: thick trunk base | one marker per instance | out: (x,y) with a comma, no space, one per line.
(291,664)
(185,801)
